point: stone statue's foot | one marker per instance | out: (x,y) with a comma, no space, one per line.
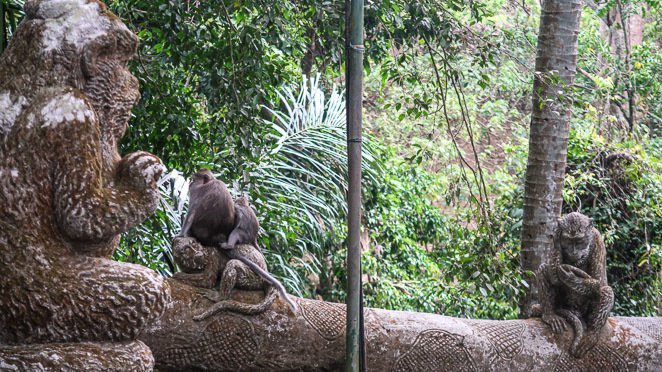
(82,356)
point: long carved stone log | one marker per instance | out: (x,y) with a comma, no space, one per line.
(314,339)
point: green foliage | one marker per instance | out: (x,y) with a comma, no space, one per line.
(418,258)
(11,13)
(300,182)
(647,64)
(206,68)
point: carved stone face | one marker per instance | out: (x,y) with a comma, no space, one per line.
(575,251)
(575,235)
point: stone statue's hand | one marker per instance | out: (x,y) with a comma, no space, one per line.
(575,270)
(572,277)
(141,170)
(556,322)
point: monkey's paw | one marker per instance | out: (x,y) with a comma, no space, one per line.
(556,322)
(141,169)
(585,345)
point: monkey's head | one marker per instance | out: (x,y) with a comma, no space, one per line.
(242,201)
(203,176)
(575,233)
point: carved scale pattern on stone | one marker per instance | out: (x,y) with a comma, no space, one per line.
(436,350)
(328,319)
(601,358)
(504,336)
(649,326)
(228,343)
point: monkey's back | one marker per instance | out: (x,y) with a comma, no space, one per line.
(214,212)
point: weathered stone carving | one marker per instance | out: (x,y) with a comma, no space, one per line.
(573,285)
(205,267)
(80,356)
(648,326)
(436,350)
(65,193)
(600,358)
(232,340)
(200,265)
(395,340)
(327,318)
(505,336)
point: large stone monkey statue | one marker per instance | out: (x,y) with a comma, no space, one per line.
(65,194)
(573,285)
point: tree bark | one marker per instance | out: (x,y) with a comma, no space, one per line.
(556,62)
(314,340)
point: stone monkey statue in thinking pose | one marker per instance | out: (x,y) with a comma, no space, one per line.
(573,285)
(66,195)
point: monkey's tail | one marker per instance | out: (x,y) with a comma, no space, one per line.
(264,275)
(576,324)
(240,307)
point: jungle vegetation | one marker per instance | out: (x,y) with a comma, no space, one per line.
(252,89)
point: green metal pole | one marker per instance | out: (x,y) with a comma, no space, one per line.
(354,79)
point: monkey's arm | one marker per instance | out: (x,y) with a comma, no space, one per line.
(590,282)
(87,206)
(188,222)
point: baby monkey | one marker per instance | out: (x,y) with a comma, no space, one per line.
(245,231)
(246,225)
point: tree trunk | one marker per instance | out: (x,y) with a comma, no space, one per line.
(314,340)
(556,61)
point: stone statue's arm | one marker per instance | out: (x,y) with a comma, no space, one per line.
(577,280)
(598,264)
(87,206)
(588,283)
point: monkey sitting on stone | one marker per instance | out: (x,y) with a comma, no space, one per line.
(211,218)
(573,286)
(211,214)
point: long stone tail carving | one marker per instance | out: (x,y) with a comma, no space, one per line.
(240,307)
(576,325)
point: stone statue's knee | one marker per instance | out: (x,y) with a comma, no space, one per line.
(606,294)
(233,266)
(125,297)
